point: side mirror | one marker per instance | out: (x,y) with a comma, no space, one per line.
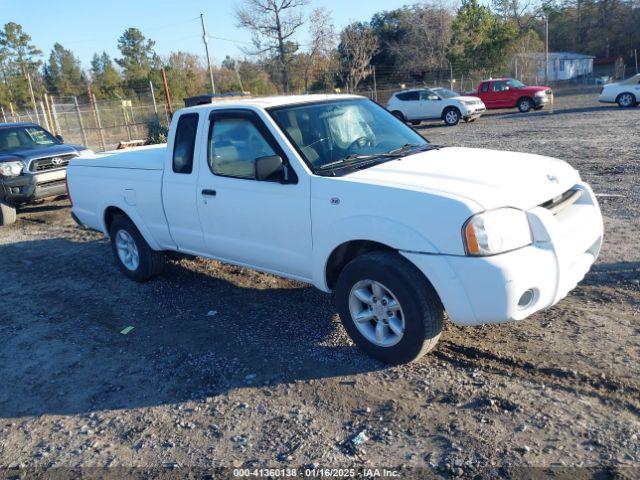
(270,168)
(59,138)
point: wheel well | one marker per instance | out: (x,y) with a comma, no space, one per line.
(527,97)
(110,214)
(346,252)
(398,114)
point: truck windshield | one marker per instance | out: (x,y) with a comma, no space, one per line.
(332,132)
(19,138)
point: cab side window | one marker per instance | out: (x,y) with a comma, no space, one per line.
(500,86)
(184,144)
(234,145)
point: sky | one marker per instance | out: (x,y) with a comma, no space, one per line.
(90,26)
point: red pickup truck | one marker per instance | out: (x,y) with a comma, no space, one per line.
(509,93)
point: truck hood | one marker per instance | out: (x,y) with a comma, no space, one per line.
(26,154)
(489,178)
(533,89)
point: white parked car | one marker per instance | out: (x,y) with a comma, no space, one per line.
(334,191)
(625,93)
(421,104)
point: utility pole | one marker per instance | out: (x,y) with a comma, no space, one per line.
(206,47)
(375,84)
(546,49)
(167,94)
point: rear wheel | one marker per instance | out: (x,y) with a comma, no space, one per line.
(626,99)
(388,308)
(451,116)
(134,256)
(525,104)
(7,214)
(415,123)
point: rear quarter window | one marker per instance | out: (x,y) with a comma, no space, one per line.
(184,143)
(408,96)
(484,87)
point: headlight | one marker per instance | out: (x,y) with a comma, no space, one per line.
(11,169)
(541,94)
(469,102)
(87,152)
(496,231)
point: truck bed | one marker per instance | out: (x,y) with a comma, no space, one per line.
(149,157)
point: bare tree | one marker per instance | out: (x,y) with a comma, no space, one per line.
(273,23)
(323,40)
(358,45)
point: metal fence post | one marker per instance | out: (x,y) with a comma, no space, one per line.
(44,115)
(54,115)
(82,132)
(4,116)
(96,117)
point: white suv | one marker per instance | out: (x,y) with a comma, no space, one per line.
(420,104)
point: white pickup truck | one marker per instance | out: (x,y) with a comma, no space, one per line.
(335,191)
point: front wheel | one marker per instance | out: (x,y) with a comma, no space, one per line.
(388,308)
(7,214)
(625,100)
(134,256)
(451,116)
(525,104)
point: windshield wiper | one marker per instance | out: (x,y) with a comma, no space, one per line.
(413,146)
(355,158)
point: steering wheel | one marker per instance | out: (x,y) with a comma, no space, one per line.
(361,142)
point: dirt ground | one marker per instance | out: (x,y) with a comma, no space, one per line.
(227,367)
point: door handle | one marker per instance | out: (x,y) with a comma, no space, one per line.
(209,193)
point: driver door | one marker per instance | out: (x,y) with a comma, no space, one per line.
(263,224)
(430,104)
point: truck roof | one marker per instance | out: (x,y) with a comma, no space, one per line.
(274,101)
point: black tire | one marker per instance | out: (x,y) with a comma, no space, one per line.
(7,215)
(421,307)
(451,116)
(151,262)
(415,123)
(525,104)
(626,99)
(398,114)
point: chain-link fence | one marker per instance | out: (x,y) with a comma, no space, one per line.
(103,124)
(98,124)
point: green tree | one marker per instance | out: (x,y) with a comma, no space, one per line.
(105,79)
(480,39)
(19,60)
(63,74)
(138,56)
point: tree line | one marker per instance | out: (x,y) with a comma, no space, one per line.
(420,42)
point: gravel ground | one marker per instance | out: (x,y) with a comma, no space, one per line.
(227,367)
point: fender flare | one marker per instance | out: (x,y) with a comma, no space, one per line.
(380,230)
(133,215)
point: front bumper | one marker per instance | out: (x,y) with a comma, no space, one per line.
(479,290)
(542,101)
(27,188)
(472,112)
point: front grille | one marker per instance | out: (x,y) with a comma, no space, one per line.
(561,202)
(50,163)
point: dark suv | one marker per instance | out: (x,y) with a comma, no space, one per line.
(32,166)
